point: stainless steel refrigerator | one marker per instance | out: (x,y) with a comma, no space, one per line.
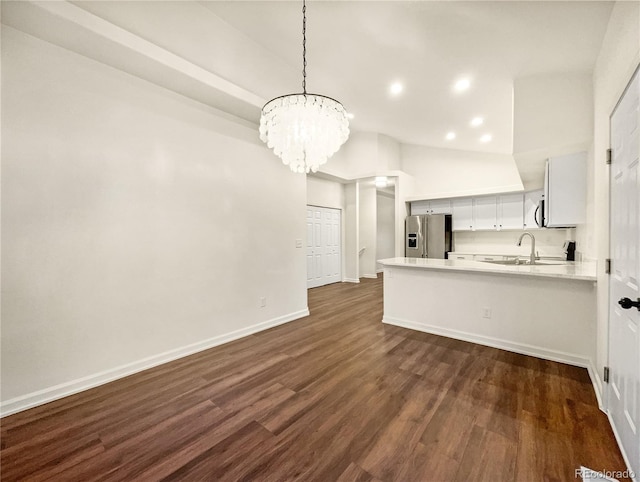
(428,236)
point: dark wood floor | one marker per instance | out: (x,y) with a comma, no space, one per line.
(337,396)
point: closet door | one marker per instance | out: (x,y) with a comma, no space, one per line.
(324,251)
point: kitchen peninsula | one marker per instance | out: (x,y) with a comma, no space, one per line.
(543,310)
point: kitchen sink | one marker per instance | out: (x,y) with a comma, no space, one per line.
(552,261)
(505,262)
(520,261)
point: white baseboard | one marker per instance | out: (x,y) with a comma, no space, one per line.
(62,390)
(596,381)
(370,276)
(516,347)
(351,280)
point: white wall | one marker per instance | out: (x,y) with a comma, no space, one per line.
(617,60)
(385,227)
(365,154)
(548,242)
(553,115)
(325,193)
(552,110)
(404,188)
(367,228)
(137,225)
(441,173)
(352,234)
(358,157)
(389,153)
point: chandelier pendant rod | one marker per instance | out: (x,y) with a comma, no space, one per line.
(304,47)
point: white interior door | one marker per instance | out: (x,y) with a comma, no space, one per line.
(324,252)
(314,241)
(624,320)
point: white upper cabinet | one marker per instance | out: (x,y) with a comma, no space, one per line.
(440,206)
(420,207)
(436,206)
(485,213)
(462,214)
(510,211)
(531,203)
(566,190)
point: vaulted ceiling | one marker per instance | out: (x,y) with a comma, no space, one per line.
(237,54)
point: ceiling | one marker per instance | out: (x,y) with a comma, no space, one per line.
(355,50)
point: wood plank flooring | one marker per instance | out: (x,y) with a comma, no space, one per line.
(337,396)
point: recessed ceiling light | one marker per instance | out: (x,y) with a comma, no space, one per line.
(350,115)
(486,138)
(477,121)
(450,136)
(462,84)
(396,88)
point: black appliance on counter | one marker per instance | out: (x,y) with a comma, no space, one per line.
(570,250)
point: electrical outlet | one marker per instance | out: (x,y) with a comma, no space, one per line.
(263,302)
(486,312)
(298,243)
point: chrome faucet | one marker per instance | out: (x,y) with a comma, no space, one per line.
(532,256)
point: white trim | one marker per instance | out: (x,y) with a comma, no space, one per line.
(624,454)
(597,385)
(370,276)
(515,347)
(56,392)
(381,270)
(351,280)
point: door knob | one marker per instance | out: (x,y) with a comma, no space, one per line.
(626,303)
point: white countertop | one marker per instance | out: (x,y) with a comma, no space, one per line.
(584,271)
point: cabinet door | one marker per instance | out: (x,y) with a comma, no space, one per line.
(420,207)
(510,211)
(484,213)
(440,206)
(566,193)
(462,214)
(485,257)
(461,256)
(531,202)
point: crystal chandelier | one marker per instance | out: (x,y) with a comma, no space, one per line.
(304,130)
